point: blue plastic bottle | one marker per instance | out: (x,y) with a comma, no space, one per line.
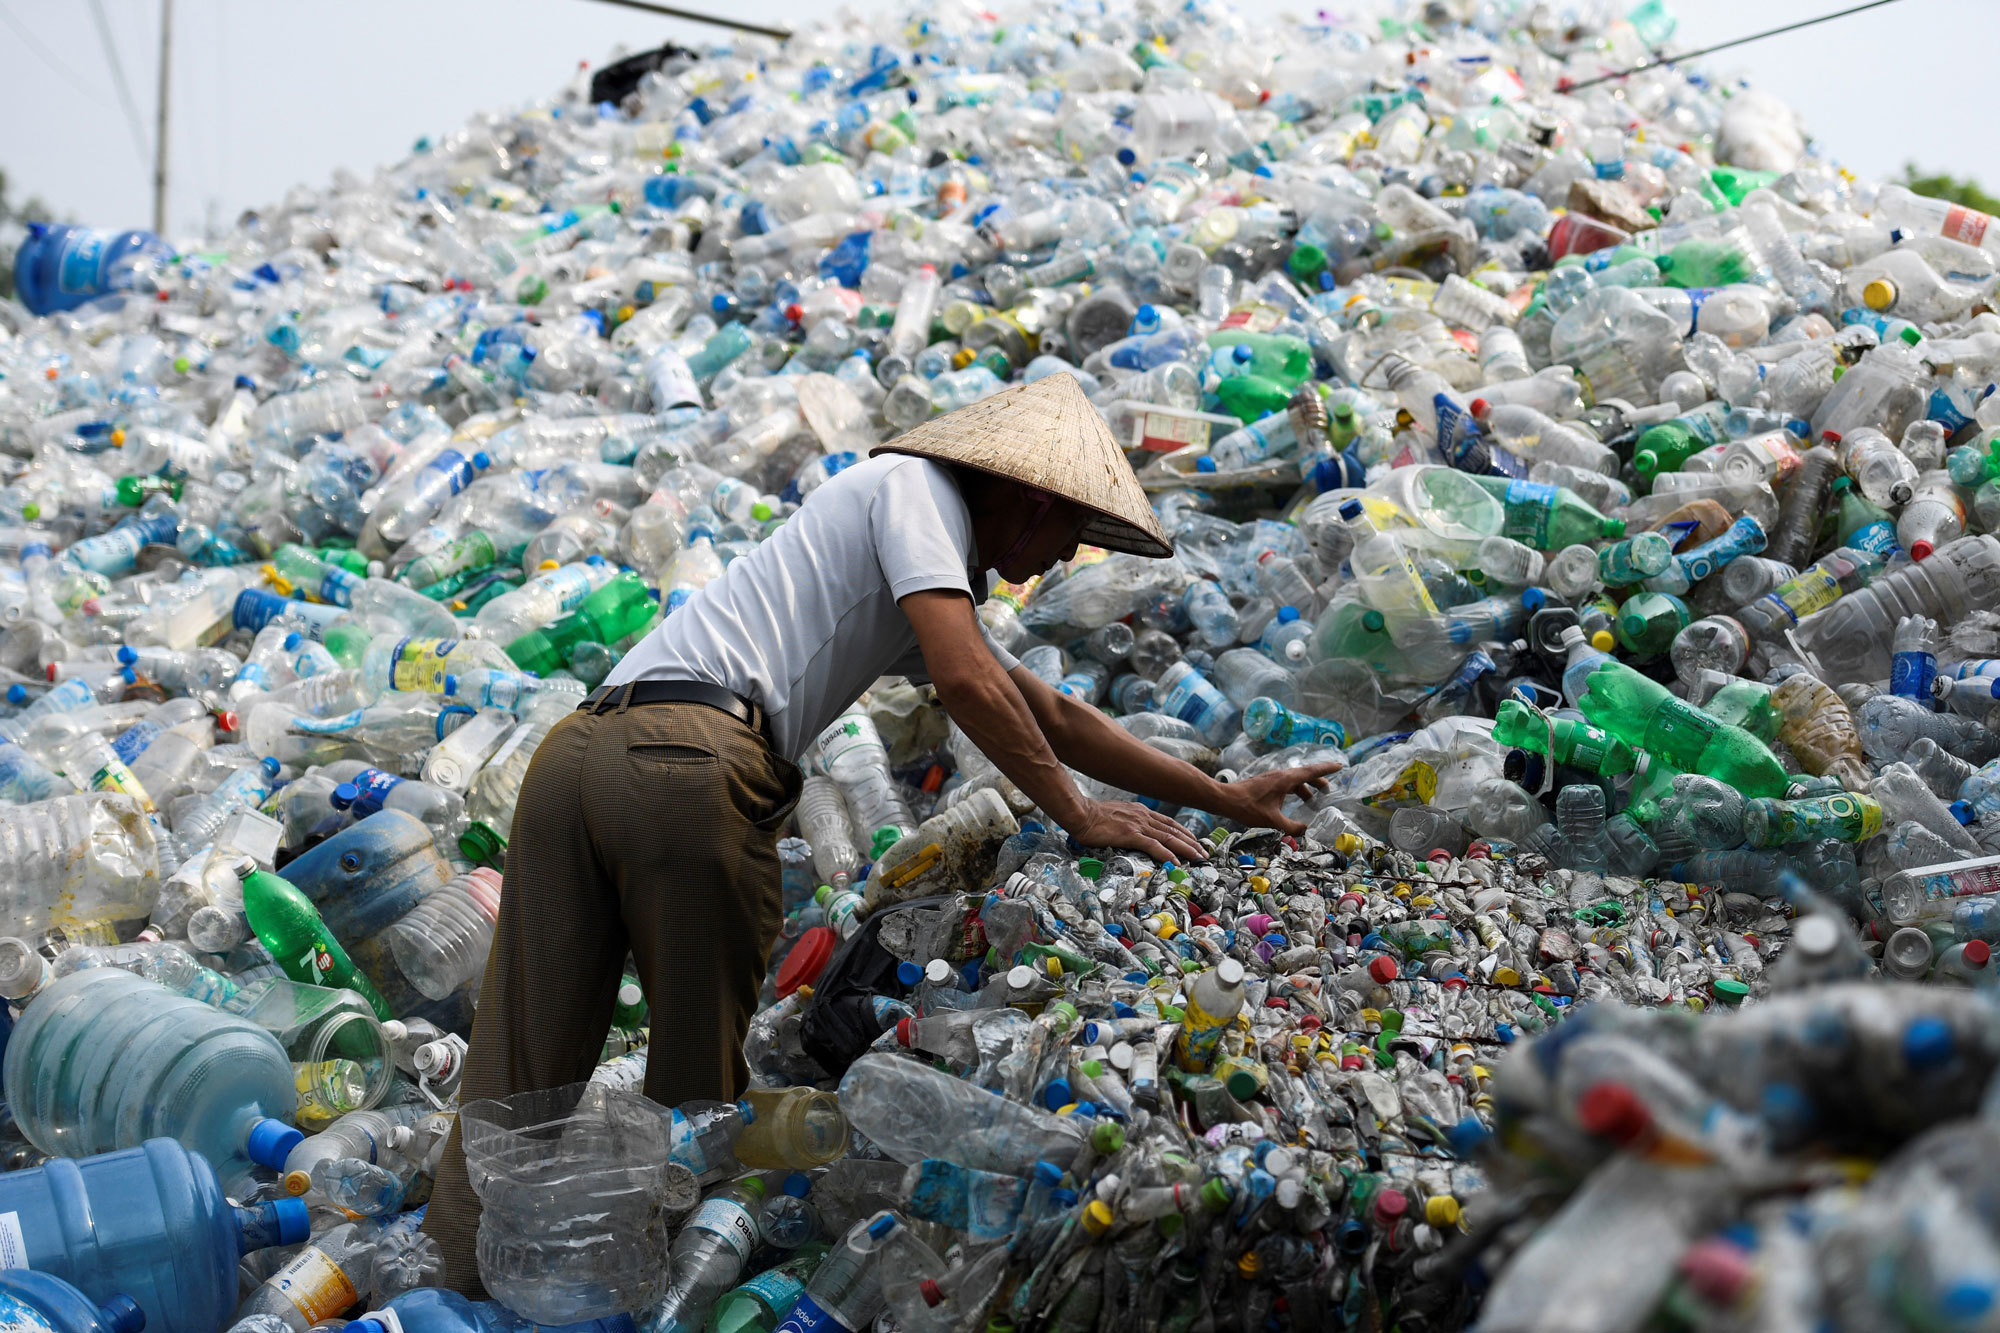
(105,1060)
(149,1222)
(59,267)
(41,1303)
(435,1310)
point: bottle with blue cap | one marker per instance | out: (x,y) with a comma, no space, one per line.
(845,1293)
(43,1303)
(151,1222)
(245,789)
(415,500)
(101,1040)
(439,1310)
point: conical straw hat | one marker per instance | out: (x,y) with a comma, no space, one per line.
(1047,435)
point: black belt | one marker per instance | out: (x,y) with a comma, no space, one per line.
(638,692)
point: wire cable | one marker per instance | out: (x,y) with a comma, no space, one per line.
(118,76)
(1658,61)
(696,16)
(48,57)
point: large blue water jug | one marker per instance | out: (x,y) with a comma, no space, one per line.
(149,1222)
(104,1060)
(59,266)
(43,1303)
(435,1310)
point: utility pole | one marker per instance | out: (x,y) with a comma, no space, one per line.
(160,125)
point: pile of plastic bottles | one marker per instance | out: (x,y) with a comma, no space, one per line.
(1600,473)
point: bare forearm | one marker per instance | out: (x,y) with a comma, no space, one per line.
(1092,743)
(991,712)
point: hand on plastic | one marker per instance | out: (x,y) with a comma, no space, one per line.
(1258,802)
(1135,828)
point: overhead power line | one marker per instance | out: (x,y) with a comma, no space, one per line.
(118,77)
(696,16)
(48,57)
(1658,61)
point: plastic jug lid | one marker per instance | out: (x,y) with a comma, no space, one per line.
(344,795)
(806,961)
(1287,614)
(1977,953)
(294,1221)
(271,1141)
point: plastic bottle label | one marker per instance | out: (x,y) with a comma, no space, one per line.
(729,1220)
(1807,593)
(13,1244)
(315,1285)
(775,1288)
(569,585)
(1877,538)
(455,468)
(374,787)
(86,250)
(809,1316)
(672,380)
(1911,674)
(1163,432)
(1967,225)
(420,664)
(18,1318)
(1528,508)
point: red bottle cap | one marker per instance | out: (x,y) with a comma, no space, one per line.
(806,961)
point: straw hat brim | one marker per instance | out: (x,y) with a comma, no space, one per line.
(1048,435)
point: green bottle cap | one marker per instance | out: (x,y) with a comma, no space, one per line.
(480,843)
(1215,1194)
(1730,991)
(1242,1084)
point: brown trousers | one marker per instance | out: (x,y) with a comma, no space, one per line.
(652,829)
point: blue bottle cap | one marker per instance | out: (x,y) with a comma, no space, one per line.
(798,1185)
(909,973)
(345,795)
(294,1221)
(1287,614)
(1963,812)
(1063,1199)
(245,382)
(121,1314)
(1533,600)
(1204,464)
(882,1226)
(368,1324)
(271,1141)
(1120,1009)
(270,766)
(482,460)
(1057,1094)
(1350,509)
(17,694)
(450,684)
(593,560)
(1928,1042)
(126,654)
(1048,1173)
(292,641)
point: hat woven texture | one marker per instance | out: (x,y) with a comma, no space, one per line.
(1047,435)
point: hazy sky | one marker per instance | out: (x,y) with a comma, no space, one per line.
(271,93)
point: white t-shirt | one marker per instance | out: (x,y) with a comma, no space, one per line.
(808,620)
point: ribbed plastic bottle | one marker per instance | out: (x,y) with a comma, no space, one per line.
(1854,639)
(441,944)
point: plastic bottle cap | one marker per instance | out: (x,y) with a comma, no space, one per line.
(807,960)
(1963,812)
(294,1220)
(1613,1111)
(1879,294)
(798,1184)
(1921,550)
(1603,641)
(1977,953)
(882,1226)
(271,1141)
(1383,969)
(1287,614)
(938,971)
(450,683)
(1441,1210)
(1480,407)
(631,994)
(908,973)
(1730,991)
(297,1182)
(1230,973)
(1020,977)
(345,795)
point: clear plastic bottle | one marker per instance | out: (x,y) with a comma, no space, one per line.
(851,752)
(440,945)
(490,802)
(327,1278)
(1853,639)
(709,1255)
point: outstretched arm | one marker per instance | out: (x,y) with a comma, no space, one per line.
(1030,731)
(987,705)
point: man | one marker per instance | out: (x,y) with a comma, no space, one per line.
(648,819)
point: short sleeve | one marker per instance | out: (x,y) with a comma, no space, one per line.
(921,530)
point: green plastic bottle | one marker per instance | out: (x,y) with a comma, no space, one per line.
(1746,704)
(1648,622)
(620,607)
(134,490)
(1665,447)
(464,553)
(1639,711)
(1251,398)
(1578,745)
(1703,263)
(320,579)
(1548,518)
(1277,357)
(287,923)
(1864,525)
